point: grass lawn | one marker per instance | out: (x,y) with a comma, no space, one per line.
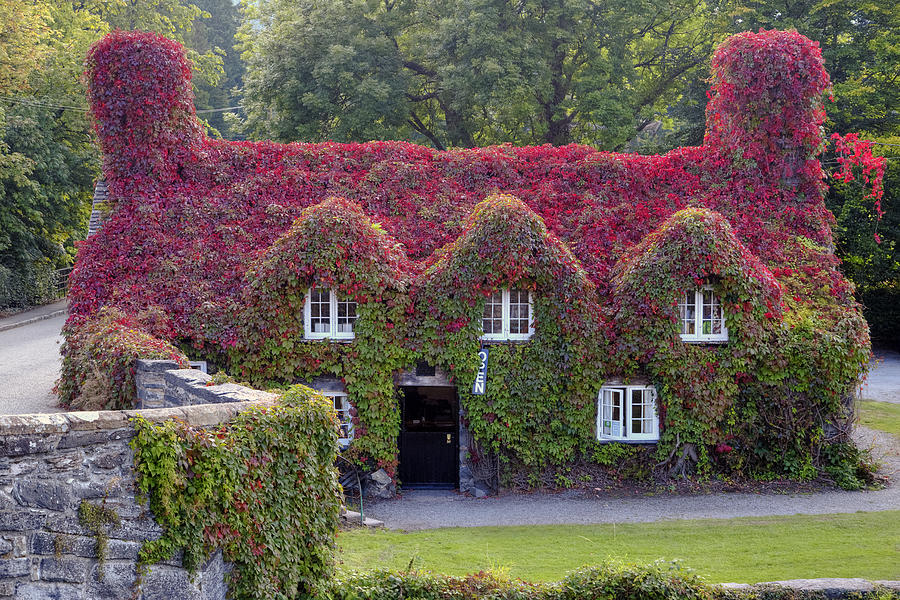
(883,416)
(745,550)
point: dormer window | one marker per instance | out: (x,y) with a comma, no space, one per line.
(508,315)
(701,316)
(327,316)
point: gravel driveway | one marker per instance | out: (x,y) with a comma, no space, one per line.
(884,378)
(421,509)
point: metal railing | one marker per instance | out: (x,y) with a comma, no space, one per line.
(349,476)
(61,281)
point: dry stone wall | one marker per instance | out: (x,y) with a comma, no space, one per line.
(162,384)
(52,463)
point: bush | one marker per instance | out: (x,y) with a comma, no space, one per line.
(98,361)
(611,581)
(31,286)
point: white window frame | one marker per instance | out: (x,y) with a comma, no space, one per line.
(505,335)
(698,336)
(347,422)
(332,332)
(619,430)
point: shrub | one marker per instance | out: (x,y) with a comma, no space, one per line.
(610,581)
(98,361)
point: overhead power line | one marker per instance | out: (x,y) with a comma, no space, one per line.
(38,104)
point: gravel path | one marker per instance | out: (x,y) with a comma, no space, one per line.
(884,378)
(29,366)
(421,509)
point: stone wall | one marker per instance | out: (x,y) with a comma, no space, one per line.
(161,384)
(49,465)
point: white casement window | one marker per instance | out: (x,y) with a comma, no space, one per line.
(627,413)
(508,315)
(342,410)
(327,316)
(701,316)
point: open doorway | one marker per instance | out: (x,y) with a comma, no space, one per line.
(429,437)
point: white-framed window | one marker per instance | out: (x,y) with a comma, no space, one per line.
(701,317)
(342,408)
(508,315)
(325,315)
(627,413)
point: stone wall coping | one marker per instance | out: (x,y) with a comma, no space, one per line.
(829,587)
(197,384)
(156,365)
(200,415)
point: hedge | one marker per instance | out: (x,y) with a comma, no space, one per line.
(610,581)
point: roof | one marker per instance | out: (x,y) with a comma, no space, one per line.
(190,215)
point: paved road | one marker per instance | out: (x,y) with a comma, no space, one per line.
(29,366)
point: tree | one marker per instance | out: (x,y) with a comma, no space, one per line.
(469,73)
(216,33)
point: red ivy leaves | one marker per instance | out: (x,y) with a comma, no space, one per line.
(207,230)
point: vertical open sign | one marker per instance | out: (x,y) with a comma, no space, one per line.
(481,377)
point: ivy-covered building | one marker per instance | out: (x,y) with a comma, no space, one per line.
(519,307)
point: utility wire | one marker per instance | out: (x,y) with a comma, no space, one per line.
(38,104)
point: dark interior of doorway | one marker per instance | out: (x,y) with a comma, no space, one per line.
(429,437)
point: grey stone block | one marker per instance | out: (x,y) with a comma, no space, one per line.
(71,570)
(117,582)
(19,520)
(107,461)
(14,567)
(169,583)
(75,439)
(63,523)
(64,461)
(37,443)
(49,591)
(46,544)
(7,588)
(5,546)
(49,494)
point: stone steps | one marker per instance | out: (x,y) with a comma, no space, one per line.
(351,516)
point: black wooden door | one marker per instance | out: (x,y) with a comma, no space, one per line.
(429,437)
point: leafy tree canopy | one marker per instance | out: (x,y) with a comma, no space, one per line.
(468,73)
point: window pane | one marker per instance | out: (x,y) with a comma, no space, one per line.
(342,410)
(492,320)
(320,310)
(519,317)
(346,315)
(687,312)
(713,319)
(611,413)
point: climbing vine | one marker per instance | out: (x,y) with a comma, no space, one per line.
(223,240)
(98,359)
(333,245)
(262,488)
(538,404)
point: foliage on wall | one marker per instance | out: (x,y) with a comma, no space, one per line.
(538,404)
(225,238)
(746,394)
(262,488)
(332,245)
